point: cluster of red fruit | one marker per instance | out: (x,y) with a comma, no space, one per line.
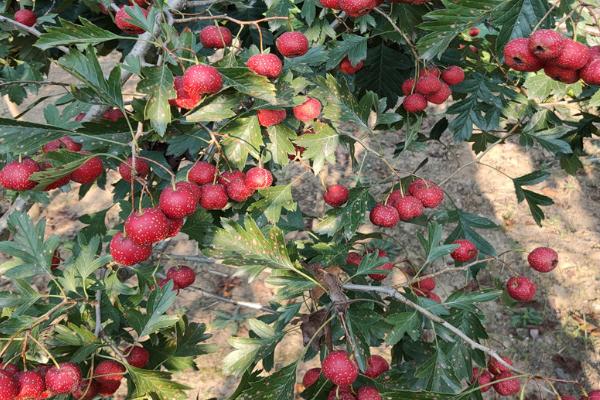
(66,378)
(358,8)
(504,382)
(342,371)
(432,86)
(562,59)
(521,288)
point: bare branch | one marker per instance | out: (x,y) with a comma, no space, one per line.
(246,304)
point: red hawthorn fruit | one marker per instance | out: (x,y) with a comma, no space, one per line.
(518,56)
(546,44)
(440,96)
(202,173)
(433,71)
(567,397)
(229,176)
(141,169)
(16,175)
(147,227)
(339,368)
(521,288)
(340,394)
(56,260)
(376,365)
(30,385)
(192,187)
(258,178)
(543,259)
(496,368)
(266,64)
(591,72)
(175,225)
(138,356)
(561,74)
(79,117)
(353,259)
(414,103)
(108,388)
(87,390)
(336,195)
(428,193)
(574,55)
(10,369)
(63,379)
(466,250)
(238,191)
(473,32)
(202,79)
(595,51)
(57,183)
(109,371)
(307,111)
(368,393)
(453,75)
(385,267)
(311,377)
(408,208)
(268,118)
(89,171)
(292,44)
(123,21)
(593,395)
(177,203)
(357,8)
(434,297)
(215,37)
(184,99)
(393,198)
(507,387)
(428,84)
(483,379)
(182,276)
(407,86)
(333,4)
(214,197)
(425,285)
(65,142)
(112,114)
(384,216)
(8,387)
(26,17)
(126,252)
(347,68)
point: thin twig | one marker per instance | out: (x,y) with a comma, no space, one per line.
(228,18)
(447,270)
(412,47)
(254,306)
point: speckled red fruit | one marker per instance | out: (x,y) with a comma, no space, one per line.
(16,175)
(258,178)
(453,75)
(30,385)
(141,169)
(353,259)
(543,259)
(238,191)
(307,111)
(177,203)
(521,288)
(138,356)
(593,395)
(202,173)
(183,99)
(466,250)
(348,68)
(440,96)
(124,251)
(267,64)
(229,176)
(430,194)
(428,84)
(496,368)
(112,114)
(214,197)
(311,377)
(271,117)
(384,215)
(483,379)
(434,297)
(376,365)
(55,260)
(425,285)
(385,267)
(473,32)
(292,44)
(182,276)
(175,225)
(407,86)
(357,8)
(340,394)
(414,103)
(109,371)
(518,56)
(108,388)
(339,368)
(408,208)
(333,4)
(368,393)
(336,195)
(87,390)
(124,22)
(574,55)
(89,171)
(65,142)
(190,186)
(591,72)
(10,369)
(215,37)
(8,386)
(63,379)
(26,17)
(561,74)
(433,71)
(202,79)
(507,387)
(546,44)
(147,227)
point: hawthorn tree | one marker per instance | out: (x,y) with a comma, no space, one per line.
(230,97)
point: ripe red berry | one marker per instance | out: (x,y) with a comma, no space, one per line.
(26,17)
(141,169)
(215,37)
(202,79)
(425,285)
(87,390)
(55,260)
(376,365)
(333,4)
(339,368)
(109,370)
(192,187)
(433,71)
(214,197)
(336,195)
(307,111)
(440,96)
(591,72)
(521,288)
(384,215)
(184,99)
(518,56)
(63,379)
(543,259)
(546,44)
(229,176)
(311,377)
(353,259)
(182,276)
(65,142)
(574,55)
(496,368)
(292,44)
(483,379)
(271,117)
(414,103)
(89,171)
(175,225)
(177,203)
(453,75)
(238,191)
(473,32)
(138,356)
(593,395)
(112,114)
(466,250)
(567,397)
(17,175)
(434,297)
(507,387)
(202,173)
(368,393)
(108,388)
(8,386)
(430,194)
(357,8)
(408,208)
(385,267)
(340,393)
(428,84)
(258,178)
(266,64)
(407,86)
(124,251)
(348,68)
(124,22)
(147,226)
(30,385)
(561,74)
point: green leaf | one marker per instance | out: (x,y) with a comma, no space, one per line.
(200,227)
(290,284)
(216,109)
(534,200)
(27,137)
(432,245)
(437,374)
(404,323)
(550,139)
(247,82)
(320,146)
(157,82)
(281,146)
(69,33)
(68,162)
(278,386)
(540,87)
(87,261)
(315,56)
(156,383)
(518,18)
(348,217)
(274,200)
(243,137)
(467,223)
(159,301)
(352,46)
(467,300)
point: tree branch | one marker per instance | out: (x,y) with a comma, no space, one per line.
(228,18)
(254,306)
(29,29)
